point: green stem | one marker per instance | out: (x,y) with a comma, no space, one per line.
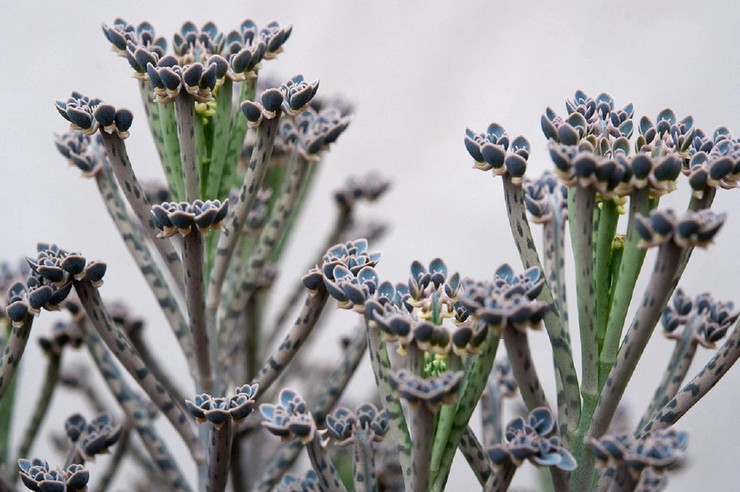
(151,109)
(655,298)
(609,216)
(629,269)
(221,123)
(234,224)
(168,126)
(475,377)
(7,400)
(237,133)
(185,118)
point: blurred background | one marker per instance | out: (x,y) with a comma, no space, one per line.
(417,73)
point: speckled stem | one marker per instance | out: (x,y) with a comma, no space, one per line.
(363,463)
(118,157)
(51,377)
(151,109)
(239,210)
(382,368)
(302,328)
(476,456)
(219,453)
(341,224)
(582,207)
(622,481)
(559,338)
(221,122)
(121,347)
(553,238)
(477,371)
(323,466)
(185,117)
(137,415)
(699,385)
(120,450)
(237,133)
(150,360)
(139,250)
(325,401)
(501,479)
(192,256)
(655,298)
(15,345)
(678,366)
(7,402)
(422,435)
(629,269)
(270,235)
(522,366)
(168,128)
(491,412)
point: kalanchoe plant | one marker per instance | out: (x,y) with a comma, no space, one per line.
(238,155)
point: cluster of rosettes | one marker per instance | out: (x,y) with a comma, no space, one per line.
(242,49)
(63,333)
(94,437)
(311,132)
(343,424)
(292,97)
(667,136)
(347,273)
(308,483)
(167,77)
(415,312)
(36,475)
(708,318)
(217,410)
(90,114)
(507,301)
(591,119)
(50,281)
(430,392)
(369,187)
(612,173)
(716,164)
(694,228)
(533,439)
(656,452)
(83,151)
(492,151)
(9,275)
(289,419)
(545,197)
(181,218)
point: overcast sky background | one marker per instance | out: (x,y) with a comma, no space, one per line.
(418,74)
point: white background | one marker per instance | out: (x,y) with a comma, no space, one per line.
(418,73)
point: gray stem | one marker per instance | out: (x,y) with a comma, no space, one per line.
(185,116)
(14,348)
(323,466)
(118,157)
(219,453)
(517,348)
